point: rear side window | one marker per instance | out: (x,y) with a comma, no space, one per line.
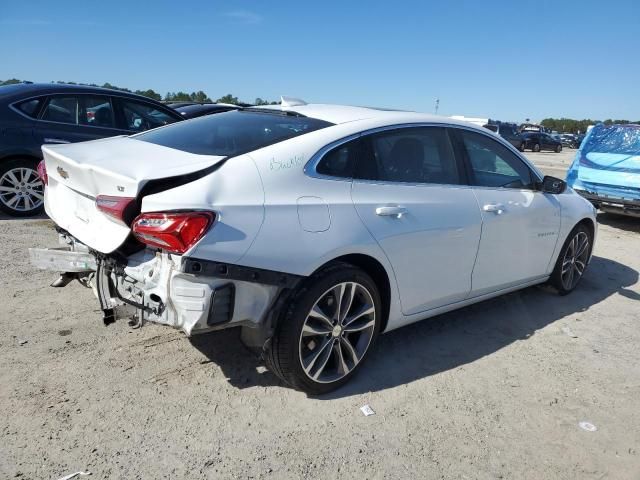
(409,155)
(340,161)
(63,110)
(139,117)
(231,133)
(89,110)
(30,107)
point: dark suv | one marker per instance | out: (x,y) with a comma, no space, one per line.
(537,141)
(509,132)
(32,115)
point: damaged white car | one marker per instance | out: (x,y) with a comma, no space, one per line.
(312,227)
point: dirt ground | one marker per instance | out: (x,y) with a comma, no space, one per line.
(497,390)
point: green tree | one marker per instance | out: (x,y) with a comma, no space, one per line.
(228,98)
(11,81)
(177,97)
(149,93)
(200,97)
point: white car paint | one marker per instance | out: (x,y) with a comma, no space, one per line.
(446,249)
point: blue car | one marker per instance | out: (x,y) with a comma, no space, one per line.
(606,169)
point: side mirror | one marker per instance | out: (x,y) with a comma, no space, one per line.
(553,185)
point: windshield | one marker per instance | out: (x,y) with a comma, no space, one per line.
(232,133)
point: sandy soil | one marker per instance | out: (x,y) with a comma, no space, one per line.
(496,390)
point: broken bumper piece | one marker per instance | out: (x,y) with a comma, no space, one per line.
(195,296)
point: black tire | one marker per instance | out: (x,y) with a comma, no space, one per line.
(521,147)
(536,147)
(558,148)
(556,279)
(31,192)
(284,353)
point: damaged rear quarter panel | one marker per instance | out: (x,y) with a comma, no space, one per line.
(235,193)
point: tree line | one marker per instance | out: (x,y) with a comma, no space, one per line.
(569,125)
(199,96)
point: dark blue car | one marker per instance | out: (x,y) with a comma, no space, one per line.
(34,114)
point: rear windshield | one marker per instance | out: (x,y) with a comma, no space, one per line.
(231,133)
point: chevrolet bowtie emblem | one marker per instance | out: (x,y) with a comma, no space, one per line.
(62,172)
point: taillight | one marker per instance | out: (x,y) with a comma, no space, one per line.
(176,232)
(42,172)
(120,209)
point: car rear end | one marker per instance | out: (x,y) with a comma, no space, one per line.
(156,223)
(606,169)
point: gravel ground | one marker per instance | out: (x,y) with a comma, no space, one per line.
(496,390)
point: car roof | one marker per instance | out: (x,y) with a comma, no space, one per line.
(338,114)
(201,107)
(23,90)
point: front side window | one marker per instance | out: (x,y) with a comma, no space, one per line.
(409,155)
(62,109)
(231,133)
(139,117)
(493,164)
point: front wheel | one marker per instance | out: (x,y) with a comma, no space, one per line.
(21,190)
(327,330)
(572,260)
(558,148)
(521,147)
(536,147)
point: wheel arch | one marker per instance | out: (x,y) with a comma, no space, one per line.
(588,222)
(372,267)
(14,156)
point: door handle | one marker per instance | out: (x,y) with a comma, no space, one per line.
(55,140)
(496,208)
(391,211)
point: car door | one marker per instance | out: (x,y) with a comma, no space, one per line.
(70,118)
(520,224)
(408,191)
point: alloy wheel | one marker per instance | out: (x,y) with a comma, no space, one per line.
(337,332)
(575,260)
(21,189)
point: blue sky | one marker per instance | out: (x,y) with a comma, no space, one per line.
(506,60)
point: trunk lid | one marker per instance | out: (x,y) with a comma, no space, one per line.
(119,166)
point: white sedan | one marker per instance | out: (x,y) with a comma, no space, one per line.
(312,227)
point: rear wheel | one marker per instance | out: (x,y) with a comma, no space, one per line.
(21,190)
(536,147)
(572,261)
(521,147)
(326,332)
(558,148)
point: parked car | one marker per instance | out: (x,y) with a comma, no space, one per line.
(606,169)
(538,141)
(568,140)
(201,109)
(33,114)
(509,132)
(312,227)
(533,127)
